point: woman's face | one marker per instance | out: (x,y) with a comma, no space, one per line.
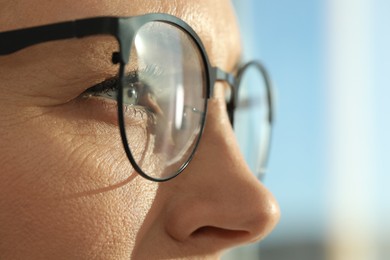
(67,189)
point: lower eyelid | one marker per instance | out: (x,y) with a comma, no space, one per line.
(137,115)
(106,110)
(99,108)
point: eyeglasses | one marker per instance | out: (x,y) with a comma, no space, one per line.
(162,87)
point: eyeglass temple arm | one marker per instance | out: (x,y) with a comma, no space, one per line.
(16,40)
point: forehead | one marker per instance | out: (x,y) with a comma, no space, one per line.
(213,20)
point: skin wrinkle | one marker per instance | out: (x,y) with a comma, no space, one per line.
(75,150)
(103,164)
(72,81)
(92,155)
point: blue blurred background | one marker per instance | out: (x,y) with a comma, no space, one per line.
(329,170)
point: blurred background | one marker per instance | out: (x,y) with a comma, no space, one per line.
(329,165)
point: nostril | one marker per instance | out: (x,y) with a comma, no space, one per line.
(220,233)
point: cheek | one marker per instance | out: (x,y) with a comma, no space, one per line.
(69,192)
(145,144)
(104,225)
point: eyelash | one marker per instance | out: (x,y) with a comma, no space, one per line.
(103,89)
(134,108)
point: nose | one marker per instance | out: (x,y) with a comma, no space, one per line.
(219,202)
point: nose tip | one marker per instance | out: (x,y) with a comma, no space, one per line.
(220,219)
(264,214)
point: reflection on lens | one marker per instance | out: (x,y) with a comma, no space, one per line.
(163,99)
(251,119)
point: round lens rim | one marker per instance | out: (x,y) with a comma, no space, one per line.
(181,25)
(270,101)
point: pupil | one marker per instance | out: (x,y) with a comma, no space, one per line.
(132,95)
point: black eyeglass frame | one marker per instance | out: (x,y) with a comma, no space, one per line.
(124,30)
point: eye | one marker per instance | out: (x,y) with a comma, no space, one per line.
(131,94)
(132,89)
(136,93)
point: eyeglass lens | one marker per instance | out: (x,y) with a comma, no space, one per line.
(251,119)
(164,99)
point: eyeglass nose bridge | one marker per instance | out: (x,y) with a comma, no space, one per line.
(220,75)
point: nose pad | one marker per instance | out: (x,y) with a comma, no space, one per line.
(230,95)
(230,110)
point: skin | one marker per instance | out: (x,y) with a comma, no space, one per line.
(67,189)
